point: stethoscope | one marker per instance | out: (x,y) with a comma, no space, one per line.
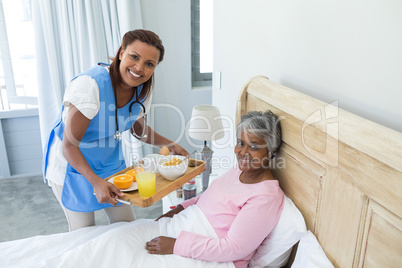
(117,135)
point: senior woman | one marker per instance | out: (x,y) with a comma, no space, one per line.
(243,205)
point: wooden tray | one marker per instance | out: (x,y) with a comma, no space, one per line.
(163,186)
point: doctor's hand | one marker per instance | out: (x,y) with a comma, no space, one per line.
(106,192)
(175,148)
(161,245)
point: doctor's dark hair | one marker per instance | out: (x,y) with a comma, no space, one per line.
(265,126)
(147,37)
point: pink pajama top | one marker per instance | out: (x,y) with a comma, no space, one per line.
(242,216)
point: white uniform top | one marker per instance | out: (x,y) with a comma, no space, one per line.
(83,93)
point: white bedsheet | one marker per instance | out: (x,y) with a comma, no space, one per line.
(116,245)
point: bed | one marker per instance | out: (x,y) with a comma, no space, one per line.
(343,172)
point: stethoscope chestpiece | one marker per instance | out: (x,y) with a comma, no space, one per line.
(117,136)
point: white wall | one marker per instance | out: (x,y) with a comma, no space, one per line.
(171,21)
(346,51)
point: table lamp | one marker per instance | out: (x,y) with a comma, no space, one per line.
(206,125)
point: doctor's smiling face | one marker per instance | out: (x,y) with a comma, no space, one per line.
(138,63)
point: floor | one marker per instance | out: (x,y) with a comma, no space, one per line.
(29,208)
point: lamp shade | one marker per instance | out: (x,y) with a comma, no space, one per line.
(206,123)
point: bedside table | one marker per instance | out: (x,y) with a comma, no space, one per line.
(172,200)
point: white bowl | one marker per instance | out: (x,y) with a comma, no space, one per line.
(172,173)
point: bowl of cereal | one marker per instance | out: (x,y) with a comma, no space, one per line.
(171,168)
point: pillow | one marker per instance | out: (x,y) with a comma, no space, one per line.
(310,254)
(276,248)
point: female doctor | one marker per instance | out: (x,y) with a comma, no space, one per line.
(84,145)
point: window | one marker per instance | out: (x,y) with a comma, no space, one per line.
(18,82)
(201,41)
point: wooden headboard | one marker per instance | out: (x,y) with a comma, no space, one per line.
(342,171)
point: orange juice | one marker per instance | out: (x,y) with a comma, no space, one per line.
(146,181)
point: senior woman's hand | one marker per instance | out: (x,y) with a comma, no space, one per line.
(172,212)
(161,245)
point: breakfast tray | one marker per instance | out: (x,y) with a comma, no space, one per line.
(163,186)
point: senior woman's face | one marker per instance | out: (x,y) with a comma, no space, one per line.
(138,62)
(251,152)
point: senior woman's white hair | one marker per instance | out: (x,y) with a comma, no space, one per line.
(265,126)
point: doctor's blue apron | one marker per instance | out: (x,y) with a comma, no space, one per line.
(102,152)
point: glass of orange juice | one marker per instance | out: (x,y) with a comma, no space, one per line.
(146,181)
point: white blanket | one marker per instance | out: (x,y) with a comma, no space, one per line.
(116,245)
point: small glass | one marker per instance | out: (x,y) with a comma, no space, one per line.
(146,181)
(194,159)
(190,189)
